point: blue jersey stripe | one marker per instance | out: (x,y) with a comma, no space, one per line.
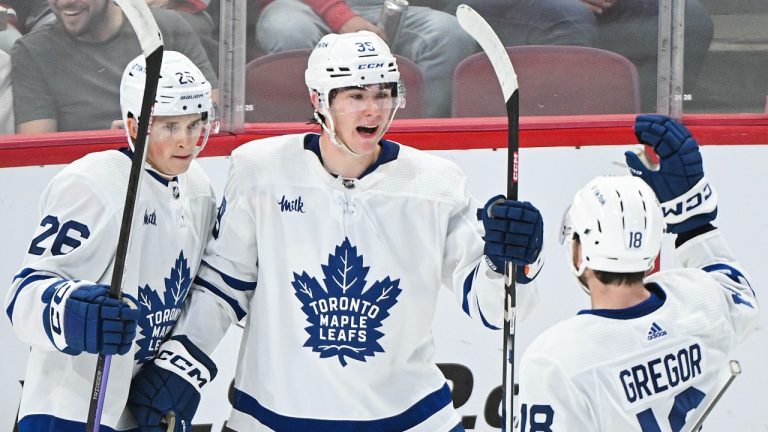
(468,288)
(486,323)
(239,312)
(23,274)
(648,306)
(733,274)
(40,422)
(235,283)
(416,414)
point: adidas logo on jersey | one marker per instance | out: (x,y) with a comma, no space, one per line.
(656,332)
(150,219)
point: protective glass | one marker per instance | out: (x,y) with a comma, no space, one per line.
(374,98)
(176,128)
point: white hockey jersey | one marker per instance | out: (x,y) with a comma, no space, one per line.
(339,279)
(653,367)
(80,212)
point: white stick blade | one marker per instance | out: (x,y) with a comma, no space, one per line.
(481,31)
(143,23)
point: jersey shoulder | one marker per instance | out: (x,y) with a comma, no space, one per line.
(685,284)
(419,173)
(561,335)
(104,174)
(425,163)
(280,158)
(199,183)
(578,344)
(269,147)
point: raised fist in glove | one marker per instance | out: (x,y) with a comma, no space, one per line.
(687,199)
(81,317)
(167,390)
(514,231)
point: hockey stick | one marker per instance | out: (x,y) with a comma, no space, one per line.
(735,369)
(478,28)
(151,41)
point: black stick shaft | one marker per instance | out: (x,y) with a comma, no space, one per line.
(153,63)
(510,298)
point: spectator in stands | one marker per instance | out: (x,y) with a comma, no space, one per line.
(530,22)
(630,28)
(191,10)
(66,77)
(204,26)
(31,14)
(627,27)
(8,30)
(6,95)
(431,38)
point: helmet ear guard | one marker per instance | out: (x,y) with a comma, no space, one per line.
(619,224)
(181,90)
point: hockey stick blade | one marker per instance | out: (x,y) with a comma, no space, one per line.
(481,31)
(151,41)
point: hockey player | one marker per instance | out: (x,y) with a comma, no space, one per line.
(651,353)
(349,237)
(58,302)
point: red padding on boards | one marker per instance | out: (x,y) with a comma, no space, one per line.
(425,134)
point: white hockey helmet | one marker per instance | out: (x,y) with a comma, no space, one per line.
(182,89)
(619,224)
(351,60)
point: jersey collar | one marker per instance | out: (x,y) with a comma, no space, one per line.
(155,175)
(389,152)
(646,307)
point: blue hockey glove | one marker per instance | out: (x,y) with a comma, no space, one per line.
(687,199)
(168,388)
(514,231)
(81,317)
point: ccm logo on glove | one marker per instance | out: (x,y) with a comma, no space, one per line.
(174,357)
(688,203)
(57,312)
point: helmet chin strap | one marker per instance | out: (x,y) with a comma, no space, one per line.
(583,286)
(331,131)
(577,271)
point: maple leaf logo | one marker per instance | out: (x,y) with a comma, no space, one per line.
(344,318)
(158,315)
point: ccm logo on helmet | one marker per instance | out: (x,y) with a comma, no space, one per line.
(371,66)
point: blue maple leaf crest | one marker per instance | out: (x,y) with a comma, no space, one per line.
(344,317)
(158,315)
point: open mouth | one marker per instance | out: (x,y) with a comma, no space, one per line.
(71,13)
(367,131)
